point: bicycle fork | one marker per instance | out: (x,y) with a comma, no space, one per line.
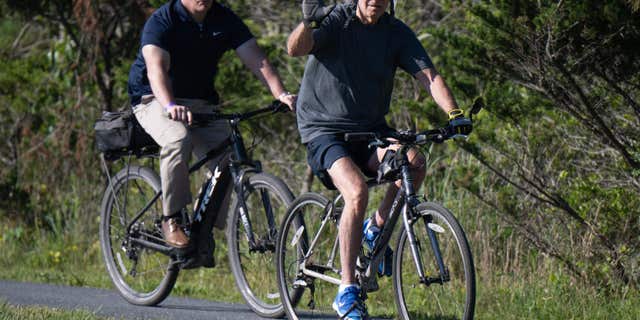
(260,245)
(415,250)
(242,208)
(408,214)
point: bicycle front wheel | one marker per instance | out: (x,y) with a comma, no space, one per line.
(141,275)
(454,296)
(265,197)
(307,259)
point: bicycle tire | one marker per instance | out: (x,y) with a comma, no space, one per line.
(148,287)
(454,299)
(254,271)
(299,227)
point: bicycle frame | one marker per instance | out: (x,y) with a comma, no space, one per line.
(403,205)
(239,165)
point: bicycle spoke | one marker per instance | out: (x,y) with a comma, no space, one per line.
(141,275)
(307,241)
(265,199)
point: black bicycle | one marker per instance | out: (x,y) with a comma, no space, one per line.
(144,268)
(433,274)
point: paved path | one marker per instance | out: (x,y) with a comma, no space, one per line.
(109,303)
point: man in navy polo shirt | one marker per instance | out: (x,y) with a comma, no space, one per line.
(354,50)
(173,76)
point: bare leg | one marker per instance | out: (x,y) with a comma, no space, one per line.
(349,180)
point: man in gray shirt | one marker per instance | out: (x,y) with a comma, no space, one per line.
(354,50)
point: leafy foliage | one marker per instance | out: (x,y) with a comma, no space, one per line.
(554,161)
(562,139)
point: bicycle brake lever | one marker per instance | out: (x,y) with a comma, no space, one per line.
(378,144)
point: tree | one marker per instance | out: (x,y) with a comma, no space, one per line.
(104,34)
(564,144)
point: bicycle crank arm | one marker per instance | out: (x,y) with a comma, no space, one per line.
(153,246)
(321,276)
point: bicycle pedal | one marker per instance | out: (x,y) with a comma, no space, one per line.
(372,284)
(197,262)
(181,254)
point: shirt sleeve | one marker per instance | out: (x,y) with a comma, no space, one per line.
(412,57)
(326,34)
(155,32)
(240,33)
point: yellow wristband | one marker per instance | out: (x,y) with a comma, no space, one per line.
(455,113)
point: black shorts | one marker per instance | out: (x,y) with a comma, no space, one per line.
(324,150)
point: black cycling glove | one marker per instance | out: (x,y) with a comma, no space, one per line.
(459,125)
(314,11)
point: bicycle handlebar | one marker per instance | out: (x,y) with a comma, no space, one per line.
(200,119)
(381,140)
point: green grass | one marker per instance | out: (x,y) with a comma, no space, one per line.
(542,299)
(78,262)
(11,312)
(41,257)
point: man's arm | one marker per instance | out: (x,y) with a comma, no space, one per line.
(252,56)
(300,41)
(157,61)
(459,125)
(435,85)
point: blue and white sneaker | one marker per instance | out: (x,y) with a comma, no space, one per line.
(371,233)
(349,305)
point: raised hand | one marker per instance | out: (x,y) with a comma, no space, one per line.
(314,11)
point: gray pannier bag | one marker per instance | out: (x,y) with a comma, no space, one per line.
(119,133)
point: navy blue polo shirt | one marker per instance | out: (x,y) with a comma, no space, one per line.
(195,49)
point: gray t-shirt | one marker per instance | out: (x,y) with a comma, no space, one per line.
(348,78)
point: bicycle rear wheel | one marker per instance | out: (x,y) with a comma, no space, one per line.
(253,266)
(452,299)
(141,275)
(303,292)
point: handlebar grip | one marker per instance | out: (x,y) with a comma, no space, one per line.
(359,136)
(279,106)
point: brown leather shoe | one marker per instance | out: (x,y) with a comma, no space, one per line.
(173,234)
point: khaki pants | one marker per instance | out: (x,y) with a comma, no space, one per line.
(177,141)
